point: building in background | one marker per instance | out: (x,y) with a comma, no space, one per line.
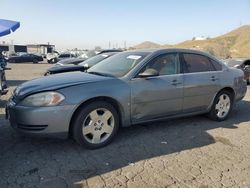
(30,48)
(40,48)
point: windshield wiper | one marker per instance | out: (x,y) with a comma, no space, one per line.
(100,74)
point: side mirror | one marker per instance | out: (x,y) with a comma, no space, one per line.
(85,67)
(148,73)
(247,68)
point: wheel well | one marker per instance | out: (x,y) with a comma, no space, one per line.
(229,89)
(111,101)
(247,62)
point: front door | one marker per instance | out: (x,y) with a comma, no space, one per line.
(158,96)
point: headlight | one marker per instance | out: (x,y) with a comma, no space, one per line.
(43,99)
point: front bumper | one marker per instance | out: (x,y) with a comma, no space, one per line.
(40,121)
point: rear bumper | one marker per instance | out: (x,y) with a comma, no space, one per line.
(241,91)
(42,121)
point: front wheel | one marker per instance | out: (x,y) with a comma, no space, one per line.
(95,125)
(222,106)
(12,61)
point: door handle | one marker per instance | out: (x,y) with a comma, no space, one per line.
(213,78)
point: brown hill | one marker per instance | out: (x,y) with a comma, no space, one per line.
(233,44)
(147,44)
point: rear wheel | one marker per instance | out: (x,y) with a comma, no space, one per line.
(35,61)
(222,106)
(3,84)
(95,125)
(47,73)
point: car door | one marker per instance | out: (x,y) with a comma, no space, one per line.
(158,96)
(25,58)
(31,57)
(201,82)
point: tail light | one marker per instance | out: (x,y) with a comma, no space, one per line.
(246,76)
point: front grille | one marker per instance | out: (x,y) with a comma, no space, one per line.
(31,127)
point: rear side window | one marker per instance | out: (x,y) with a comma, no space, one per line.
(196,63)
(216,65)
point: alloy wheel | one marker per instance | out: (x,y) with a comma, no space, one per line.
(223,106)
(98,126)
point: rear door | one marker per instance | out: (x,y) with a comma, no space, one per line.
(201,82)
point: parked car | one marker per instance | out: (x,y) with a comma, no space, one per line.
(25,57)
(128,88)
(88,55)
(243,64)
(92,53)
(70,61)
(61,57)
(51,56)
(3,85)
(82,66)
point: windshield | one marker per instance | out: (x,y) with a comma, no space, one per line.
(94,60)
(119,64)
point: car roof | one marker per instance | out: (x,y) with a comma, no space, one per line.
(174,50)
(109,50)
(108,53)
(169,50)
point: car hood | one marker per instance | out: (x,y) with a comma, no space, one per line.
(55,82)
(72,60)
(68,68)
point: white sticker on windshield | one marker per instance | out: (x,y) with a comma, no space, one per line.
(104,55)
(134,57)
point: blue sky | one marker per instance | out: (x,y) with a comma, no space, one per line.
(86,24)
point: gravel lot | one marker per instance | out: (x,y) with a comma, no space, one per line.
(188,152)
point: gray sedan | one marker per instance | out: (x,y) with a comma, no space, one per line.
(128,88)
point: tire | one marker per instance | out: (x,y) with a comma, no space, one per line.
(35,61)
(90,132)
(53,61)
(222,106)
(12,61)
(3,85)
(46,74)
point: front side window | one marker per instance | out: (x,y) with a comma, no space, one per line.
(196,63)
(167,64)
(64,55)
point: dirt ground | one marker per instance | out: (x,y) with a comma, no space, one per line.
(188,152)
